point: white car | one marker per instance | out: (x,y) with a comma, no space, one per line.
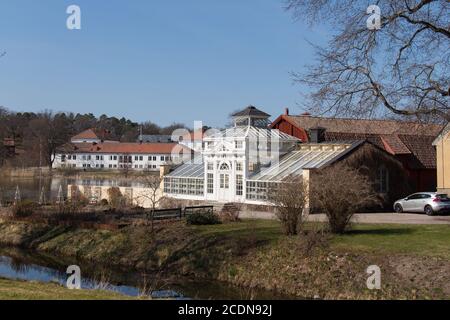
(424,202)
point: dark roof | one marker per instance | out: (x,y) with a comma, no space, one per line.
(251,111)
(422,148)
(155,138)
(413,139)
(366,126)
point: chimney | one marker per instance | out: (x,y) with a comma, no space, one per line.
(317,135)
(286,111)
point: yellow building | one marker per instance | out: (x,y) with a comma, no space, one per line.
(442,144)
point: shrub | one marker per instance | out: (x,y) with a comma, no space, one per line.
(116,199)
(24,208)
(69,208)
(340,192)
(77,196)
(104,202)
(230,212)
(290,199)
(202,218)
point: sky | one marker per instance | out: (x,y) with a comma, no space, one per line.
(153,60)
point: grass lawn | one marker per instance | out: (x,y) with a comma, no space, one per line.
(425,240)
(28,290)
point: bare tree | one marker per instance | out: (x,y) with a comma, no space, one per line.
(51,131)
(340,191)
(403,68)
(289,198)
(152,193)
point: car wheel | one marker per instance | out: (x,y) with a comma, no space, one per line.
(398,208)
(429,210)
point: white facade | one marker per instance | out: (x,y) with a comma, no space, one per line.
(106,161)
(229,158)
(138,196)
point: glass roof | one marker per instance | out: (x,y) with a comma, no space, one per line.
(188,171)
(252,133)
(309,156)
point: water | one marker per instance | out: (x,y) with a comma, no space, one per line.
(26,265)
(31,188)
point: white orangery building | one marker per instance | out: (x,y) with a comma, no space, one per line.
(230,158)
(241,164)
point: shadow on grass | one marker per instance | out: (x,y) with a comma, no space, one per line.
(381,232)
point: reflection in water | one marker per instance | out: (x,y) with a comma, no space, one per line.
(31,266)
(21,264)
(45,187)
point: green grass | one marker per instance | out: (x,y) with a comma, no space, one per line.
(262,229)
(424,240)
(30,290)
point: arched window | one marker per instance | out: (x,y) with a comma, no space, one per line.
(224,166)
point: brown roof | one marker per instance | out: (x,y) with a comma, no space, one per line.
(422,148)
(396,137)
(125,148)
(86,134)
(100,134)
(366,126)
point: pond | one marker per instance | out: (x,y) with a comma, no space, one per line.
(26,265)
(32,188)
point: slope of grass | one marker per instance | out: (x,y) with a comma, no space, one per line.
(424,240)
(255,254)
(29,290)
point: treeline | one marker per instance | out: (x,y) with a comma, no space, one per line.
(38,135)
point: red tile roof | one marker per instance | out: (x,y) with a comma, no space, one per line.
(366,126)
(89,134)
(125,148)
(86,134)
(396,137)
(422,148)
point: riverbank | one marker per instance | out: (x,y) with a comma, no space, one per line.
(29,290)
(415,260)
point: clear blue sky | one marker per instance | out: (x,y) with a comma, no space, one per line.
(158,60)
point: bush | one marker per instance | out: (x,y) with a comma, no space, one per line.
(290,199)
(116,199)
(104,202)
(24,208)
(340,192)
(230,212)
(77,196)
(69,208)
(202,218)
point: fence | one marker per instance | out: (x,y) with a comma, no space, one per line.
(110,220)
(167,214)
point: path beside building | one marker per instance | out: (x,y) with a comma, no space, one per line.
(404,218)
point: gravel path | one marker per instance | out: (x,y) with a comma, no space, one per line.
(403,218)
